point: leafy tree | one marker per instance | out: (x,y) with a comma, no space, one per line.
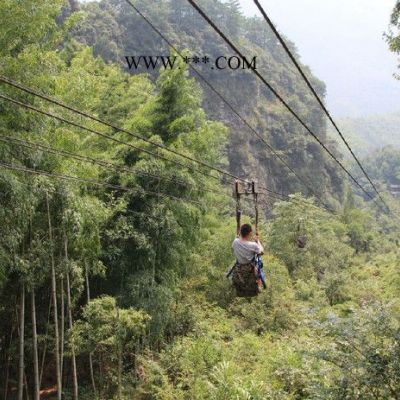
(393,36)
(326,249)
(365,352)
(110,333)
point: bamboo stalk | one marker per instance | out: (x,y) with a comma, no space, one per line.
(90,354)
(20,394)
(36,395)
(54,297)
(70,321)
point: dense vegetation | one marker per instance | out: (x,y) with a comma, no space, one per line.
(115,288)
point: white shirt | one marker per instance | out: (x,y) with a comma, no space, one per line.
(245,250)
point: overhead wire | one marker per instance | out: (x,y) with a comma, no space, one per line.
(102,163)
(314,92)
(270,193)
(91,160)
(121,142)
(283,101)
(92,182)
(78,157)
(114,127)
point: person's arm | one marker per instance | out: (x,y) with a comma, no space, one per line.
(260,246)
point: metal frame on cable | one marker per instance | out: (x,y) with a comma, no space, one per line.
(245,188)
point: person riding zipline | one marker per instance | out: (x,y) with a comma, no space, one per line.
(247,274)
(246,246)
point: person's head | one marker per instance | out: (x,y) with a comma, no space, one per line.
(245,231)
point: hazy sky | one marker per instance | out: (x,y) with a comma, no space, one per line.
(341,40)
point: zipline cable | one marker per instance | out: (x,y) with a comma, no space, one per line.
(108,137)
(314,92)
(92,182)
(114,127)
(78,157)
(270,193)
(91,160)
(281,99)
(63,120)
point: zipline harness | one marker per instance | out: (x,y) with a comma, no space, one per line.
(248,279)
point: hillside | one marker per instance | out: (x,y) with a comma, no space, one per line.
(130,35)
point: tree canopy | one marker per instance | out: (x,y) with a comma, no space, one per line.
(116,234)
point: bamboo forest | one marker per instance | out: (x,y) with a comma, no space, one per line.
(138,141)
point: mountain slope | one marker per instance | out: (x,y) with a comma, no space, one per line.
(130,35)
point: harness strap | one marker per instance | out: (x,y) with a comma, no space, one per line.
(256,209)
(238,209)
(255,197)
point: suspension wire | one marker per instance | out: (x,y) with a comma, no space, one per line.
(34,145)
(63,120)
(281,99)
(80,157)
(105,136)
(91,160)
(314,92)
(92,182)
(114,127)
(227,103)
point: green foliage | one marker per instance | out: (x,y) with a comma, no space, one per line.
(393,36)
(110,333)
(364,350)
(384,165)
(150,303)
(327,246)
(40,29)
(104,326)
(177,106)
